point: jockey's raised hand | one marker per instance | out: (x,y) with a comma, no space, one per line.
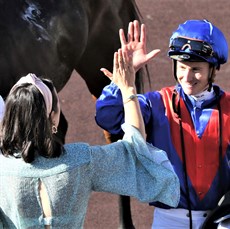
(135,44)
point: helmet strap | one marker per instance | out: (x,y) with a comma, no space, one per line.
(174,68)
(212,74)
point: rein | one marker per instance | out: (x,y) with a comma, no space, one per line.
(177,110)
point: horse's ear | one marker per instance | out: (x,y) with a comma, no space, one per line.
(220,215)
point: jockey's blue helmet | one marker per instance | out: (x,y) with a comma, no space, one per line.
(199,40)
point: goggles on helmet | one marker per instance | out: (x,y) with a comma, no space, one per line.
(200,48)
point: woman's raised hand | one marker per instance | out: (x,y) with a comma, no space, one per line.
(123,71)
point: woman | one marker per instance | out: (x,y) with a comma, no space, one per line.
(47,185)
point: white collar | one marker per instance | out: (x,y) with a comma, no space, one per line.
(202,96)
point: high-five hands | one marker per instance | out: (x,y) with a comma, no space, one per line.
(124,77)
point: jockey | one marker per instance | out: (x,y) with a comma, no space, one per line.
(187,120)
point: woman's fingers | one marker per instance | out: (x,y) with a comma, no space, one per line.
(107,73)
(122,67)
(122,61)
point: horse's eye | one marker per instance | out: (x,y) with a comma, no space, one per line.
(34,12)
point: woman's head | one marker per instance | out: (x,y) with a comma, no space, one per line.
(28,121)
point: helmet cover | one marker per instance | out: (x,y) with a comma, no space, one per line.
(202,42)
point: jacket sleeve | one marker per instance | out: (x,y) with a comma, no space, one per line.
(133,168)
(110,112)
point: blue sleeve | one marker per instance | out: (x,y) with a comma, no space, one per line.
(110,111)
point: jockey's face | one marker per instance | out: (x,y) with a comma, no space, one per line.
(193,76)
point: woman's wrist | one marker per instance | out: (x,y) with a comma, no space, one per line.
(129,98)
(126,92)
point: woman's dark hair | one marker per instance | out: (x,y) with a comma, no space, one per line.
(26,130)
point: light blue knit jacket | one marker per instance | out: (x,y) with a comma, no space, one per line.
(127,167)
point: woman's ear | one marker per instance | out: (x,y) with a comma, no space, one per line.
(53,118)
(54,121)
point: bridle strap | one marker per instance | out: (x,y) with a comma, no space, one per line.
(177,110)
(185,167)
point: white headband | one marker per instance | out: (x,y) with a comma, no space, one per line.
(45,91)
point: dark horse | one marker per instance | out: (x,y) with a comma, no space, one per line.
(51,38)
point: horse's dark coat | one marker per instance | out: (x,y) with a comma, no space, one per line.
(51,38)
